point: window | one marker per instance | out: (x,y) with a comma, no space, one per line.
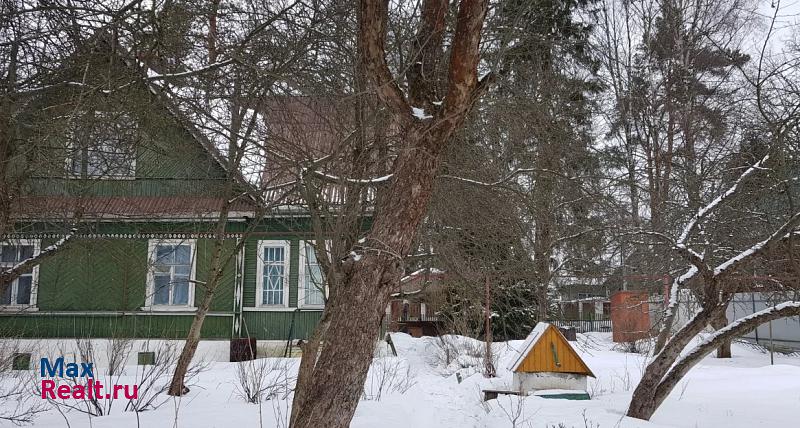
(273,273)
(146,358)
(312,284)
(103,147)
(171,273)
(21,361)
(21,291)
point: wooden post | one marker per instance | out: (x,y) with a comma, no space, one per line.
(489,370)
(771,346)
(391,344)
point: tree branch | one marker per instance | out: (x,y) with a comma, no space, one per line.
(372,35)
(737,328)
(740,259)
(12,273)
(464,58)
(703,212)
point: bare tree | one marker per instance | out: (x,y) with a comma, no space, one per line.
(714,274)
(426,119)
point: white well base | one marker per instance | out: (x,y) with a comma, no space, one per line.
(529,382)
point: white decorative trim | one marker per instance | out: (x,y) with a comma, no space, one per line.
(301,277)
(260,271)
(281,309)
(37,245)
(208,216)
(162,236)
(238,292)
(168,308)
(18,309)
(151,253)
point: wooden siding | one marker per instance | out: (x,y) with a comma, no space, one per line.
(111,275)
(223,299)
(94,275)
(96,287)
(131,325)
(164,148)
(274,325)
(542,359)
(251,280)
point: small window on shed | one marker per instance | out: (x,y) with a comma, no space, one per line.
(146,358)
(21,361)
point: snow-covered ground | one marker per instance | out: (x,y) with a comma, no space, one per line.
(417,389)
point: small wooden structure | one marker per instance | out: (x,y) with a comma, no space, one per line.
(548,362)
(630,315)
(491,394)
(414,308)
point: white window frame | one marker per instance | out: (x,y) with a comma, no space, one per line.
(301,278)
(260,271)
(37,244)
(81,151)
(151,278)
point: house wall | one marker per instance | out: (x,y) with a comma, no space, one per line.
(96,288)
(169,161)
(107,324)
(276,323)
(280,325)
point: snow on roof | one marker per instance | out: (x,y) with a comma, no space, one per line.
(422,272)
(420,113)
(529,343)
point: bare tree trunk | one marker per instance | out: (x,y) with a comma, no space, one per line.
(643,400)
(724,350)
(666,327)
(333,389)
(488,360)
(7,136)
(542,246)
(643,405)
(331,392)
(176,386)
(544,227)
(308,361)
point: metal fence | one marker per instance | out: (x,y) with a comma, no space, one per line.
(584,326)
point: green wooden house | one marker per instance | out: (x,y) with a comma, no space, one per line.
(143,190)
